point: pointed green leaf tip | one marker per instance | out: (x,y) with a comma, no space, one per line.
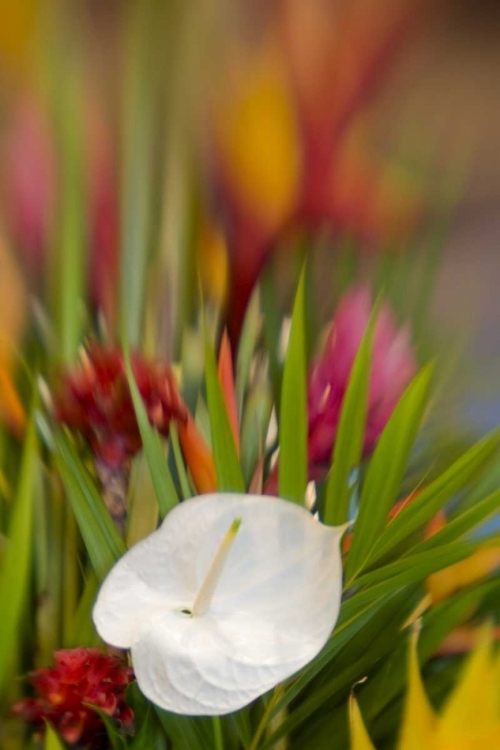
(227,465)
(348,446)
(292,478)
(52,741)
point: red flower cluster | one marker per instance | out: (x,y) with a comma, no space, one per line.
(96,401)
(80,676)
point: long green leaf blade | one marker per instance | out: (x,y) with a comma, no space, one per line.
(354,617)
(432,499)
(463,523)
(243,725)
(418,566)
(137,171)
(83,632)
(145,738)
(16,566)
(292,478)
(69,264)
(437,623)
(348,445)
(116,741)
(142,504)
(179,463)
(52,741)
(166,493)
(386,470)
(101,538)
(187,733)
(272,321)
(227,466)
(382,632)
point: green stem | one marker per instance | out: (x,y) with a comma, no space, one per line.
(218,738)
(70,572)
(266,716)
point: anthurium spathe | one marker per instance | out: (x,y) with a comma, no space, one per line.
(233,594)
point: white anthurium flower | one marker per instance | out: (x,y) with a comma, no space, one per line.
(230,596)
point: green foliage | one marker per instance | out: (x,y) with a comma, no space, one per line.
(187,733)
(433,498)
(142,505)
(116,740)
(101,538)
(52,741)
(386,471)
(166,493)
(179,464)
(137,174)
(463,522)
(69,266)
(293,412)
(254,427)
(272,324)
(227,466)
(386,564)
(348,446)
(83,632)
(243,724)
(350,662)
(15,570)
(382,600)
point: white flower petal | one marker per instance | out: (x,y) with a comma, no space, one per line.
(196,671)
(272,611)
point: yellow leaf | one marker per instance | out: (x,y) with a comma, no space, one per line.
(471,717)
(360,739)
(445,582)
(419,719)
(52,740)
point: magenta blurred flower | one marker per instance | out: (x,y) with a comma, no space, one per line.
(81,678)
(393,366)
(31,190)
(29,181)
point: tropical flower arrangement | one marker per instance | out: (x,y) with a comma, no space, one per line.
(224,524)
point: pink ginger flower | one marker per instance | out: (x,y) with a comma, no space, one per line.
(393,366)
(31,186)
(29,181)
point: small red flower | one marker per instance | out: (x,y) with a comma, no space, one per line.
(95,399)
(80,676)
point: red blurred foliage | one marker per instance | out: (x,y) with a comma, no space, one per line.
(337,56)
